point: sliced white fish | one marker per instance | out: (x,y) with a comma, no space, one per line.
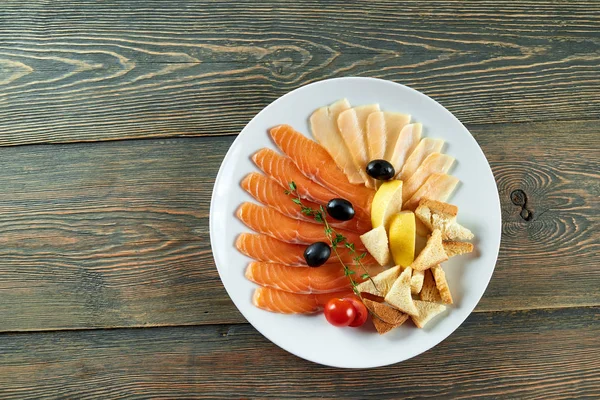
(437,187)
(323,123)
(383,129)
(400,148)
(435,163)
(425,147)
(352,125)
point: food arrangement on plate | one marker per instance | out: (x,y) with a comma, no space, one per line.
(355,222)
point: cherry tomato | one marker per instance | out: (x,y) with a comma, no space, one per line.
(340,312)
(361,311)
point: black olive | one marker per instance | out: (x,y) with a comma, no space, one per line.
(381,170)
(340,209)
(317,254)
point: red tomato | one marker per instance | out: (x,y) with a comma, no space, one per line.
(340,312)
(361,311)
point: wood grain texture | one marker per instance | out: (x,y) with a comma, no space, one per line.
(87,71)
(109,235)
(116,233)
(543,354)
(547,256)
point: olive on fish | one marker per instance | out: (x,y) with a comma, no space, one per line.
(381,170)
(317,254)
(340,209)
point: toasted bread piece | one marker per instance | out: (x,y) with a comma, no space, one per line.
(430,292)
(421,229)
(427,311)
(385,318)
(440,282)
(399,295)
(382,327)
(416,281)
(438,215)
(376,243)
(385,312)
(432,254)
(383,282)
(457,248)
(439,207)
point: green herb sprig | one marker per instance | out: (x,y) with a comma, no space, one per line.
(334,237)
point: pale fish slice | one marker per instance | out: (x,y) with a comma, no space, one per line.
(352,126)
(383,128)
(404,145)
(433,163)
(437,187)
(323,123)
(425,147)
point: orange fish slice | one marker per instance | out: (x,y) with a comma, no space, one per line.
(265,248)
(314,162)
(273,223)
(292,303)
(283,171)
(324,279)
(271,194)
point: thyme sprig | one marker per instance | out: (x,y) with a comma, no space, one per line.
(335,238)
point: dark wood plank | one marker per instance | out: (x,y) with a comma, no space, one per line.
(555,242)
(116,233)
(542,354)
(109,235)
(86,71)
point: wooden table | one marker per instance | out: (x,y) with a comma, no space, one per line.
(115,116)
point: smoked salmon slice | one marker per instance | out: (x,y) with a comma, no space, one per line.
(437,187)
(267,249)
(270,193)
(292,303)
(435,163)
(314,161)
(324,279)
(272,223)
(405,144)
(323,124)
(352,124)
(425,147)
(283,171)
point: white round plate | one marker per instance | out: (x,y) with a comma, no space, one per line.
(311,337)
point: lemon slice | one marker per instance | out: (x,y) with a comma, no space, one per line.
(402,238)
(387,202)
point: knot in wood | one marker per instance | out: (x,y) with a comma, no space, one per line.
(518,198)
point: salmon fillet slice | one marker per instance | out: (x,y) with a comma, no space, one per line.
(315,163)
(292,303)
(283,171)
(270,193)
(272,223)
(324,279)
(267,249)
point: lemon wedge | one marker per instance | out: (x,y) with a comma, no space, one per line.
(402,238)
(387,202)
